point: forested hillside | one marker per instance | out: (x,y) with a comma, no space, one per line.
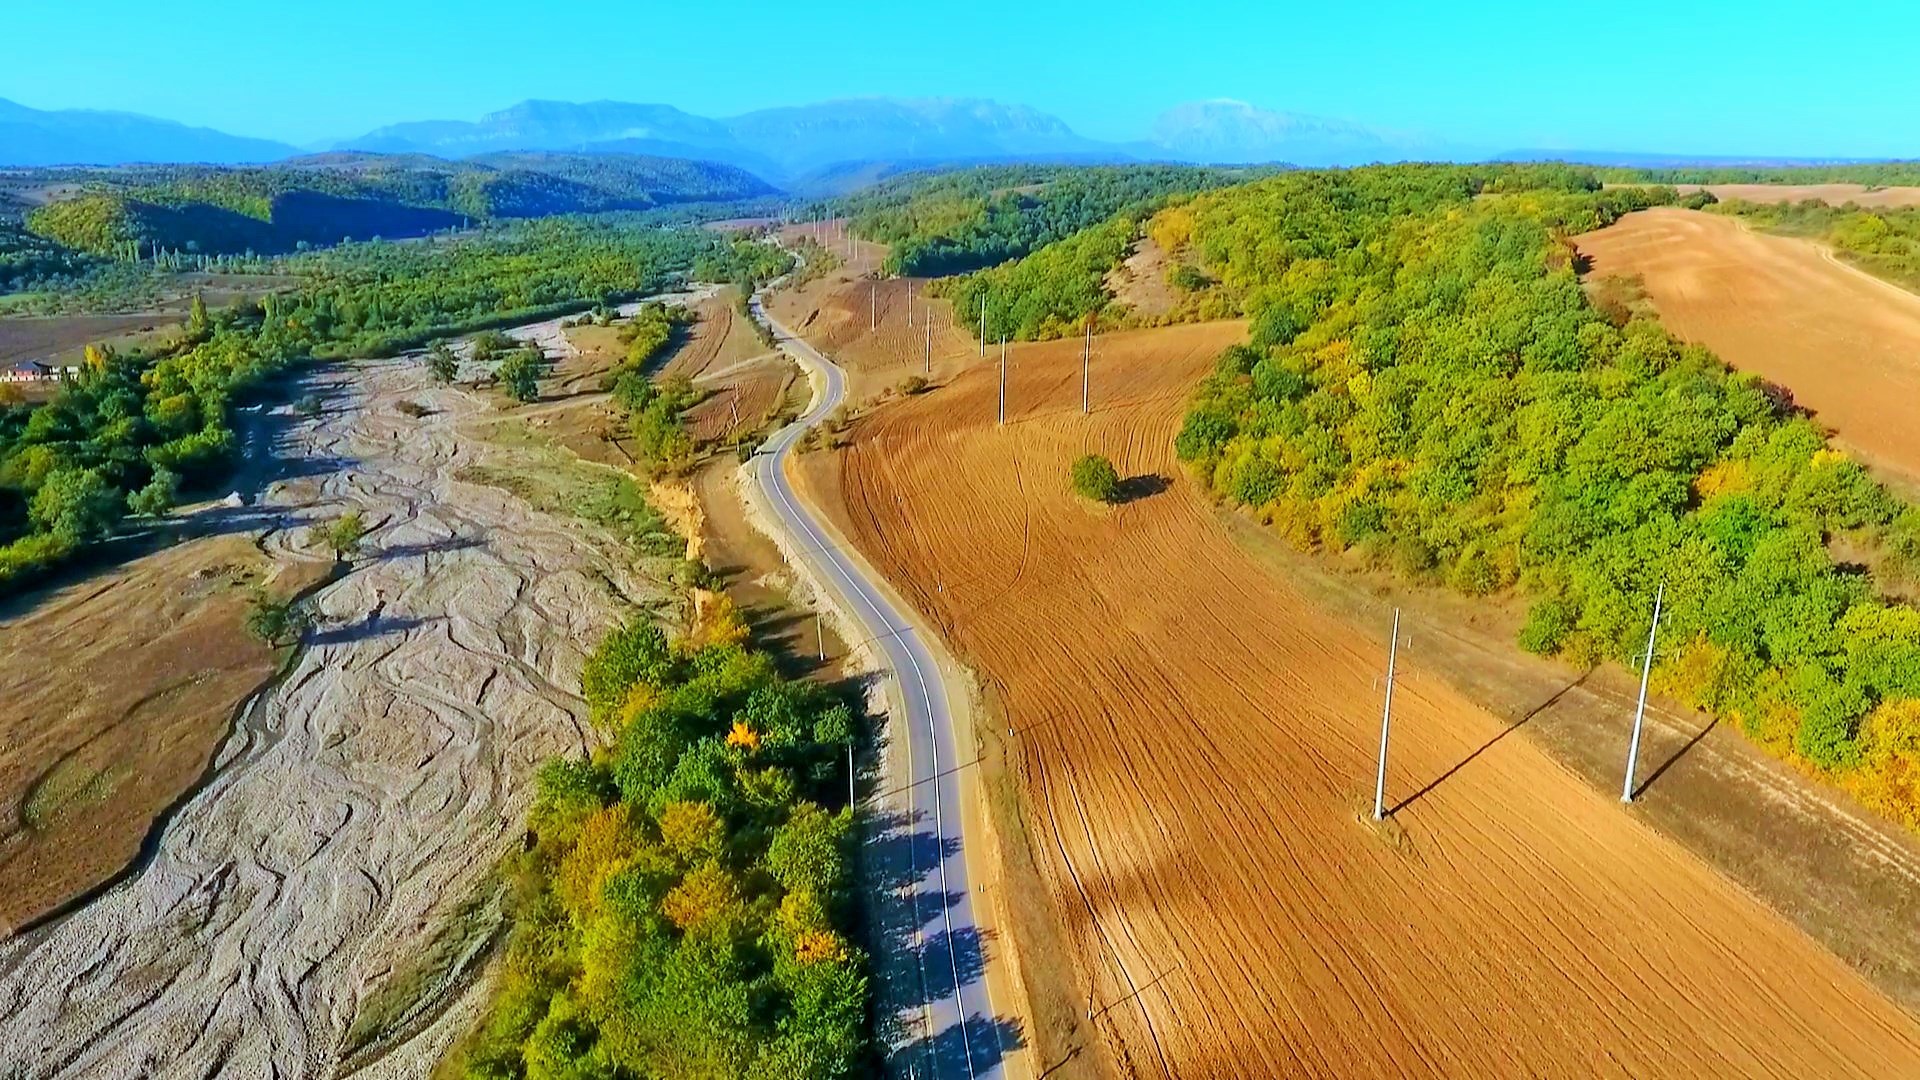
(950,222)
(136,429)
(1428,385)
(1050,292)
(329,198)
(685,908)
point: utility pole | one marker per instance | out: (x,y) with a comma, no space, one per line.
(1386,724)
(983,326)
(1086,367)
(1003,379)
(1640,710)
(820,636)
(873,307)
(849,777)
(927,367)
(909,303)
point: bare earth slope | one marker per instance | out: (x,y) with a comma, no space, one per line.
(1846,343)
(1197,743)
(362,796)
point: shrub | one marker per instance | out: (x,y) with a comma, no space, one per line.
(1094,478)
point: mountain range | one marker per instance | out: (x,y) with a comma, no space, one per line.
(90,137)
(783,145)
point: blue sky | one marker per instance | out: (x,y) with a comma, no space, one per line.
(1703,76)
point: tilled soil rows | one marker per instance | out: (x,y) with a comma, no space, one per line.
(1196,743)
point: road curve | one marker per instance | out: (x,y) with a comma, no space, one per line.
(959,1033)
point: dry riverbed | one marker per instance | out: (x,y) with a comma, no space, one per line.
(354,814)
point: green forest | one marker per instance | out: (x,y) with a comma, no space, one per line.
(137,428)
(1428,387)
(686,906)
(1870,173)
(332,197)
(946,223)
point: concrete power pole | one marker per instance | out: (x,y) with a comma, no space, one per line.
(1086,368)
(1386,725)
(1003,379)
(1640,710)
(927,367)
(909,303)
(873,307)
(983,326)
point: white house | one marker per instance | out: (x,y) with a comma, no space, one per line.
(37,371)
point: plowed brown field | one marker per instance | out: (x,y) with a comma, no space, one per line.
(1846,343)
(1836,194)
(1196,746)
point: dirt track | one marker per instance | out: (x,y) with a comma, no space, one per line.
(1846,343)
(1196,744)
(363,796)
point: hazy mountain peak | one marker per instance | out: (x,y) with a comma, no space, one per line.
(30,136)
(1227,130)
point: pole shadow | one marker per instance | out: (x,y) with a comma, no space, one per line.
(1490,743)
(1675,757)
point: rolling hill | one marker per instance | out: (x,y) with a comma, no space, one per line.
(326,198)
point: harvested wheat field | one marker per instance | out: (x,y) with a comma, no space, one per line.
(1196,746)
(1834,194)
(1846,343)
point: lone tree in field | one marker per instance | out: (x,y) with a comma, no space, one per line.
(1094,477)
(344,535)
(520,374)
(441,362)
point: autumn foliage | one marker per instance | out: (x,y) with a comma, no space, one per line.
(683,910)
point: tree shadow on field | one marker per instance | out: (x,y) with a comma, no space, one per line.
(1134,488)
(374,625)
(441,546)
(981,1043)
(1490,743)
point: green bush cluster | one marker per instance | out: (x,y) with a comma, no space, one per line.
(1094,478)
(686,906)
(1427,384)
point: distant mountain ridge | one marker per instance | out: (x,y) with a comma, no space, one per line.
(779,144)
(1228,132)
(88,137)
(791,146)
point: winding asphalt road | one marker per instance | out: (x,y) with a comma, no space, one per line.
(958,1029)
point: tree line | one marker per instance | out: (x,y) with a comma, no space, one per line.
(136,428)
(1427,385)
